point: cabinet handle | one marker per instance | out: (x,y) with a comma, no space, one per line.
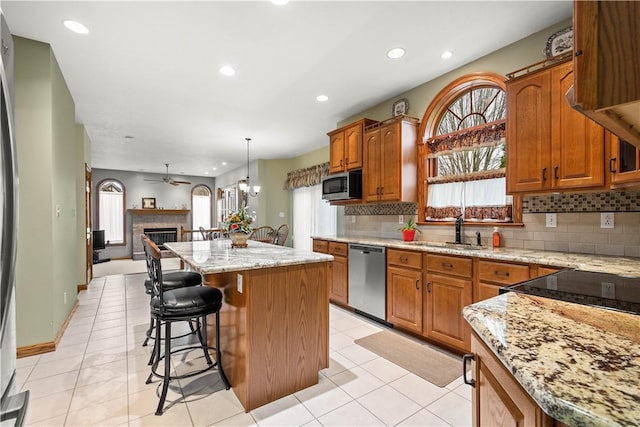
(429,287)
(404,259)
(418,284)
(341,164)
(445,265)
(544,174)
(381,190)
(578,52)
(612,162)
(467,357)
(555,172)
(501,273)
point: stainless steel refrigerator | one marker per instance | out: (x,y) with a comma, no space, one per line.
(13,404)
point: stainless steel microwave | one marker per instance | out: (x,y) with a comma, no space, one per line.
(342,186)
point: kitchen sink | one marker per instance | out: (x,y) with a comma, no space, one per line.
(450,245)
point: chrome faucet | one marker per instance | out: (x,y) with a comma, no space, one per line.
(459,221)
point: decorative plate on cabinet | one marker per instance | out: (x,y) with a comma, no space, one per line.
(560,42)
(400,107)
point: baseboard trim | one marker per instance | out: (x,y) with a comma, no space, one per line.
(82,287)
(49,346)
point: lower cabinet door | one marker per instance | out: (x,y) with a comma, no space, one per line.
(339,280)
(404,298)
(498,399)
(444,299)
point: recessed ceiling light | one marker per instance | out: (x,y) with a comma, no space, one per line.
(75,26)
(279,2)
(396,52)
(322,98)
(215,169)
(227,70)
(446,54)
(224,163)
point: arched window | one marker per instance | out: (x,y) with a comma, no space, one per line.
(462,156)
(201,203)
(111,213)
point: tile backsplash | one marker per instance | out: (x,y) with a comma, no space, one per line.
(578,224)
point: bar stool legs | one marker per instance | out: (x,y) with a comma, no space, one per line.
(166,376)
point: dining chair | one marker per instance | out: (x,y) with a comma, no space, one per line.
(281,234)
(263,234)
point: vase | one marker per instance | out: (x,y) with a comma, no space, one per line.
(408,235)
(238,240)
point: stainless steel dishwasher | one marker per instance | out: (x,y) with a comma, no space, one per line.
(367,279)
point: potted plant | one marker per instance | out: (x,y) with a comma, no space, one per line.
(238,225)
(409,230)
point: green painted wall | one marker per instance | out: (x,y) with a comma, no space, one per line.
(46,146)
(83,156)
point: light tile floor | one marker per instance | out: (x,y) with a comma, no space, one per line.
(97,376)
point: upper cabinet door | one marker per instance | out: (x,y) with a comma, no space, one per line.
(371,177)
(390,163)
(353,147)
(336,152)
(529,133)
(577,142)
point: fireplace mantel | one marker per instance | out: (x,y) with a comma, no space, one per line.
(159,211)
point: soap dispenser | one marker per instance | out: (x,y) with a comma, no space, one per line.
(496,237)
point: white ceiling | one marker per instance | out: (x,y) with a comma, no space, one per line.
(150,69)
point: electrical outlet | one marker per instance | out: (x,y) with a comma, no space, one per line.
(551,220)
(606,220)
(64,298)
(239,284)
(400,219)
(281,214)
(608,290)
(353,219)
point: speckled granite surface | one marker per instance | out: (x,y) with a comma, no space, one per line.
(217,256)
(580,364)
(597,263)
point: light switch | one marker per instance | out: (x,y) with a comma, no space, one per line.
(239,285)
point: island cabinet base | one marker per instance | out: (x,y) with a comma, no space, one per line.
(274,329)
(498,399)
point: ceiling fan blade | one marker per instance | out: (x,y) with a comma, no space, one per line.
(153,180)
(174,182)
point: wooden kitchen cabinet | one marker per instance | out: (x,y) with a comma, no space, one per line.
(492,275)
(345,146)
(389,167)
(339,290)
(498,399)
(339,276)
(550,146)
(404,289)
(606,46)
(448,289)
(624,163)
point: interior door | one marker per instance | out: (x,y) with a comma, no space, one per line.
(87,221)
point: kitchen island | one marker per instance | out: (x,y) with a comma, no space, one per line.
(579,364)
(274,330)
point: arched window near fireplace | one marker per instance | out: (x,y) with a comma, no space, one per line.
(111,213)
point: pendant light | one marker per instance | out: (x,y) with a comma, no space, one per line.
(245,185)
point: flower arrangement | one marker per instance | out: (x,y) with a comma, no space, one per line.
(239,221)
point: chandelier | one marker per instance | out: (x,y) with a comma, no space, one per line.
(244,184)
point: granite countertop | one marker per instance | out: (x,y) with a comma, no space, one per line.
(580,364)
(217,256)
(596,263)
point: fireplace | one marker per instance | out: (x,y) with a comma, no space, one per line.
(155,223)
(160,235)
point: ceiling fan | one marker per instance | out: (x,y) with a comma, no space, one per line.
(168,179)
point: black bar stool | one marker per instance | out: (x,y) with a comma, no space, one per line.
(183,304)
(172,280)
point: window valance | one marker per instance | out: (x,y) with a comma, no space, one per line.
(486,135)
(306,177)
